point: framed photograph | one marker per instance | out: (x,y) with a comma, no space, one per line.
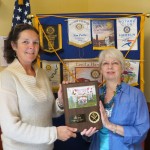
(81,104)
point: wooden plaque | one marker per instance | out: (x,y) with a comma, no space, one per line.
(81,104)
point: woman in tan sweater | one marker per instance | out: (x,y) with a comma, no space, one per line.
(27,104)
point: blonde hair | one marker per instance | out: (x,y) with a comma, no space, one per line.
(112,53)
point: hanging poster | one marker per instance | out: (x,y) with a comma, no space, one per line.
(79,32)
(53,71)
(51,37)
(103,34)
(82,69)
(130,75)
(126,33)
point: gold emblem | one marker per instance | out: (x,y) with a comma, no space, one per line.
(50,30)
(79,26)
(95,74)
(48,67)
(94,117)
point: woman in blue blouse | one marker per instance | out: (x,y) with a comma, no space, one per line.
(123,109)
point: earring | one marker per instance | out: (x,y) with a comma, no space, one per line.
(15,56)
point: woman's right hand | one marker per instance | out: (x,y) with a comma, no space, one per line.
(65,132)
(89,132)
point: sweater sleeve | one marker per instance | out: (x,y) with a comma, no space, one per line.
(11,123)
(137,133)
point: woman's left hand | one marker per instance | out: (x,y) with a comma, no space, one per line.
(89,132)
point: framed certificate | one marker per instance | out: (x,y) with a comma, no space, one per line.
(81,104)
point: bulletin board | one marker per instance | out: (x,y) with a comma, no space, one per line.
(61,48)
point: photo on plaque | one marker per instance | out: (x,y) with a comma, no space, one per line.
(79,97)
(81,104)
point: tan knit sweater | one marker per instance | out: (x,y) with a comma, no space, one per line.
(27,106)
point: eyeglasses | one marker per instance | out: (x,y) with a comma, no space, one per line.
(113,63)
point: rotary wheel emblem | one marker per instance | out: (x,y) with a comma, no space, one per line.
(94,117)
(50,30)
(127,29)
(79,26)
(48,67)
(95,74)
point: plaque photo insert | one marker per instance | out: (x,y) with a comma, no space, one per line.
(81,104)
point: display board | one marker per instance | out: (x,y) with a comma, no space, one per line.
(83,36)
(74,41)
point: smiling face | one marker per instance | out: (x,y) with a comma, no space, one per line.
(111,69)
(27,47)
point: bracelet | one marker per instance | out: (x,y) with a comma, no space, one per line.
(115,129)
(60,105)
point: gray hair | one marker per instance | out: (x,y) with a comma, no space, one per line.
(112,53)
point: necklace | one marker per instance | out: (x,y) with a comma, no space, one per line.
(111,102)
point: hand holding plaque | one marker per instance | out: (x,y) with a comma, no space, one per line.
(81,104)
